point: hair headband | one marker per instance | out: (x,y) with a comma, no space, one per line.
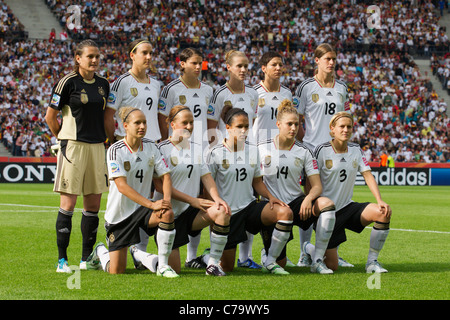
(134,48)
(182,109)
(125,119)
(233,113)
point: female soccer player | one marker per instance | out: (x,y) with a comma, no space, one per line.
(339,162)
(283,162)
(235,93)
(188,91)
(270,92)
(235,166)
(136,88)
(132,163)
(192,213)
(81,168)
(318,99)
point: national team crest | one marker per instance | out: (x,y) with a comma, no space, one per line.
(101,91)
(151,162)
(315,97)
(127,166)
(355,164)
(228,103)
(225,164)
(267,160)
(261,102)
(134,92)
(329,164)
(174,161)
(182,99)
(84,98)
(297,162)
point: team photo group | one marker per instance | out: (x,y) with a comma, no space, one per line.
(239,161)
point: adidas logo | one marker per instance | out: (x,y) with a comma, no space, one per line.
(283,156)
(343,160)
(239,159)
(274,98)
(147,89)
(241,99)
(195,95)
(138,159)
(64,230)
(329,94)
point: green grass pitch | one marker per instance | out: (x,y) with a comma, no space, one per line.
(416,254)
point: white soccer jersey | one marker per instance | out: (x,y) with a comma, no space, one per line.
(186,169)
(318,105)
(283,169)
(234,173)
(265,126)
(139,168)
(127,91)
(197,99)
(224,96)
(338,171)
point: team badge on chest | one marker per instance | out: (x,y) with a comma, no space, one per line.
(127,166)
(329,164)
(134,92)
(182,99)
(315,97)
(84,97)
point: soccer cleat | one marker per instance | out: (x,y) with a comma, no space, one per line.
(305,259)
(375,266)
(215,270)
(289,263)
(166,272)
(249,263)
(274,268)
(343,263)
(320,267)
(93,261)
(63,266)
(196,263)
(83,265)
(137,264)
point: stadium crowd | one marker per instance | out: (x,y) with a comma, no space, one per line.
(396,110)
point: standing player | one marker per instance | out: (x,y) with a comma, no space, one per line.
(318,99)
(235,166)
(283,162)
(132,163)
(235,93)
(192,214)
(188,91)
(81,169)
(270,92)
(339,162)
(136,88)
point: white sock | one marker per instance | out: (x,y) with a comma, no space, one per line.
(164,238)
(377,239)
(324,229)
(103,255)
(305,235)
(310,249)
(192,247)
(150,261)
(280,237)
(218,242)
(245,248)
(142,245)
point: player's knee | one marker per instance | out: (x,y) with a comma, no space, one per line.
(285,213)
(168,216)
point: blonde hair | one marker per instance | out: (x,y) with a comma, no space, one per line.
(124,112)
(285,107)
(231,54)
(336,117)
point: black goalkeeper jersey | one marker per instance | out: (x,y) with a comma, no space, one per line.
(82,103)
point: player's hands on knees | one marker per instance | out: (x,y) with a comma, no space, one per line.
(202,204)
(306,209)
(385,209)
(161,205)
(273,201)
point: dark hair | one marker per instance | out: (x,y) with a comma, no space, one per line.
(133,45)
(79,51)
(230,112)
(189,53)
(269,55)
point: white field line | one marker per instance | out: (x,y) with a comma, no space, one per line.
(77,209)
